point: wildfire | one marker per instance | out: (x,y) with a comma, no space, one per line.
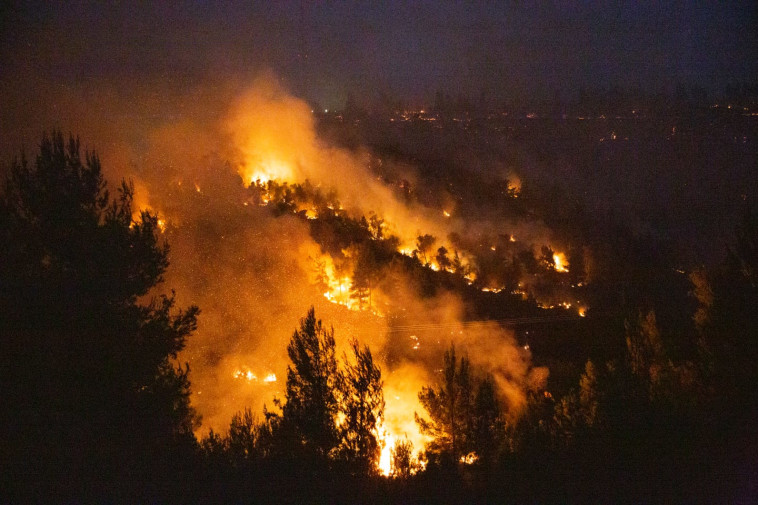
(469,458)
(561,264)
(385,460)
(337,286)
(268,170)
(247,374)
(250,376)
(416,344)
(514,186)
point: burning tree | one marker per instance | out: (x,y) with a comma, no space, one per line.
(88,371)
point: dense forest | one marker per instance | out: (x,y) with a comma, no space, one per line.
(651,395)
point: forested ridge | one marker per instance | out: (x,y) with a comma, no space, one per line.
(651,398)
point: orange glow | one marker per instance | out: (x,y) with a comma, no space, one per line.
(246,374)
(249,376)
(561,264)
(514,185)
(401,387)
(338,286)
(385,460)
(469,458)
(274,139)
(416,344)
(406,251)
(267,170)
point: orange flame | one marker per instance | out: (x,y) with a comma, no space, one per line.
(561,264)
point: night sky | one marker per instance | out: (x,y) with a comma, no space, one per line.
(405,50)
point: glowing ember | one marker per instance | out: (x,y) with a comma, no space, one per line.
(250,376)
(469,458)
(246,374)
(445,213)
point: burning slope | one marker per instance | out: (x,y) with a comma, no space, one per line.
(264,221)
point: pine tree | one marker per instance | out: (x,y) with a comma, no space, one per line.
(363,409)
(450,409)
(312,394)
(89,382)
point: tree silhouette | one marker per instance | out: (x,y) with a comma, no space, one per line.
(466,421)
(313,387)
(424,248)
(727,319)
(403,462)
(363,409)
(449,408)
(93,401)
(330,414)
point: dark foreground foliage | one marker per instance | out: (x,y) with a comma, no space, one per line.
(93,407)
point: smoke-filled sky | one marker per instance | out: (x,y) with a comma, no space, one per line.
(404,50)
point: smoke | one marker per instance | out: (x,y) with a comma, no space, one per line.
(274,135)
(191,156)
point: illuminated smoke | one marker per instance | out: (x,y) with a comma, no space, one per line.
(255,275)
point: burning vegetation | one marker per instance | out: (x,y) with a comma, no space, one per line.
(460,339)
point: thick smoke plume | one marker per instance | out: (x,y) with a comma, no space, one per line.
(251,272)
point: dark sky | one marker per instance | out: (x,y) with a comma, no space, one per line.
(406,49)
